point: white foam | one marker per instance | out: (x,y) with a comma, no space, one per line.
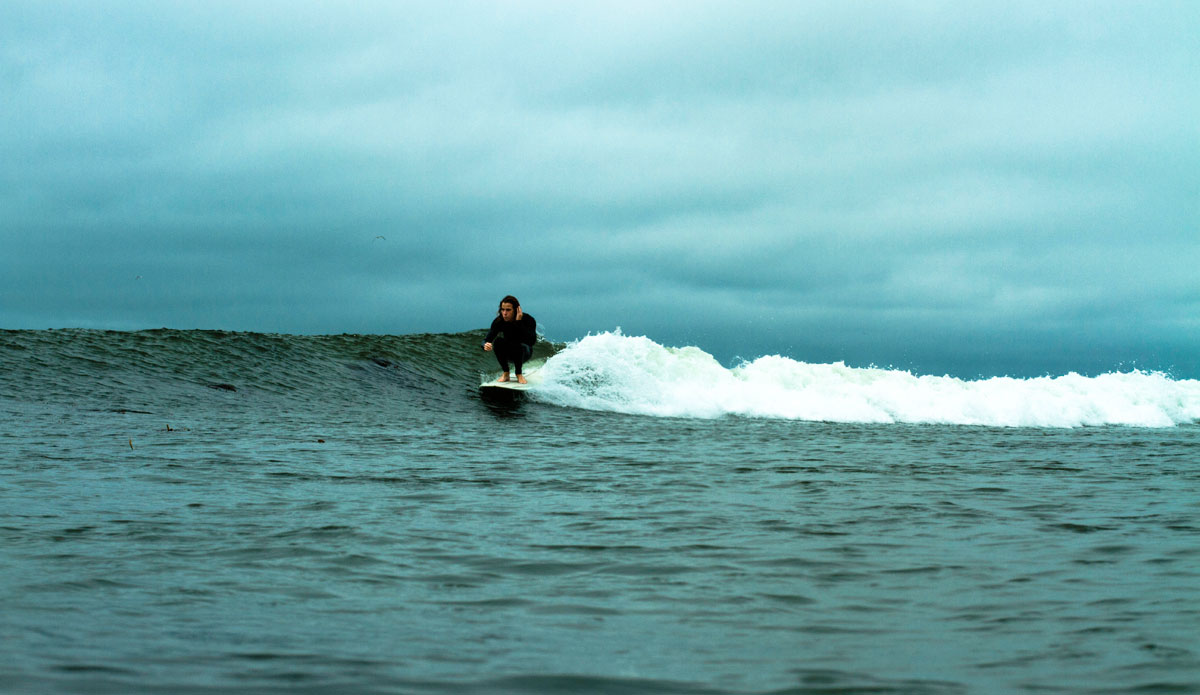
(619,373)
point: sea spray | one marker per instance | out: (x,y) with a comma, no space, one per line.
(628,374)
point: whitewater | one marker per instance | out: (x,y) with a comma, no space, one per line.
(626,374)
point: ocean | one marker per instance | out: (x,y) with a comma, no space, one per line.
(216,512)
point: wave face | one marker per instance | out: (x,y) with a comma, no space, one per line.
(157,369)
(165,369)
(618,373)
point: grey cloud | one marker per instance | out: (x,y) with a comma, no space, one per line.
(841,180)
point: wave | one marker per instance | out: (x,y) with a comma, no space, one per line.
(163,370)
(626,374)
(164,367)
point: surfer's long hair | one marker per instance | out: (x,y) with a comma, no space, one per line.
(509,300)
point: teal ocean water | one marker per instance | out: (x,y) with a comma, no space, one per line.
(203,512)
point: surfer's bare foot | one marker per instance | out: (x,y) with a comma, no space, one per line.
(521,379)
(503,378)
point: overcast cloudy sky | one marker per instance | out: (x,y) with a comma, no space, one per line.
(972,187)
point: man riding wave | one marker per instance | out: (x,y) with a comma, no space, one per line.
(511,337)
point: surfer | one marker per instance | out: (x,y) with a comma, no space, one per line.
(511,337)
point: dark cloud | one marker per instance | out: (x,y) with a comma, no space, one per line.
(978,187)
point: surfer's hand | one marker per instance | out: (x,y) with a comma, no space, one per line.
(519,313)
(487,347)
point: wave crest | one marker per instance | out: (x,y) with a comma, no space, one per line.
(614,372)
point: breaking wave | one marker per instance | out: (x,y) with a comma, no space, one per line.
(172,371)
(614,372)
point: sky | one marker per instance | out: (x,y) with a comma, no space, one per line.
(979,188)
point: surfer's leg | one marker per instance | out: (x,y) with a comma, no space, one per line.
(500,350)
(509,352)
(521,352)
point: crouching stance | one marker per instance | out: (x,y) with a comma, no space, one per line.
(511,337)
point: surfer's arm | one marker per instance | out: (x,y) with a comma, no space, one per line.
(530,326)
(491,334)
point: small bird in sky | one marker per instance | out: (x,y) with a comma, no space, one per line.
(380,236)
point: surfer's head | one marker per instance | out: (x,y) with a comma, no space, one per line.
(508,308)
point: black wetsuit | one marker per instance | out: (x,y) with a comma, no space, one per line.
(512,341)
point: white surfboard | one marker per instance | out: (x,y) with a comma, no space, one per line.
(533,378)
